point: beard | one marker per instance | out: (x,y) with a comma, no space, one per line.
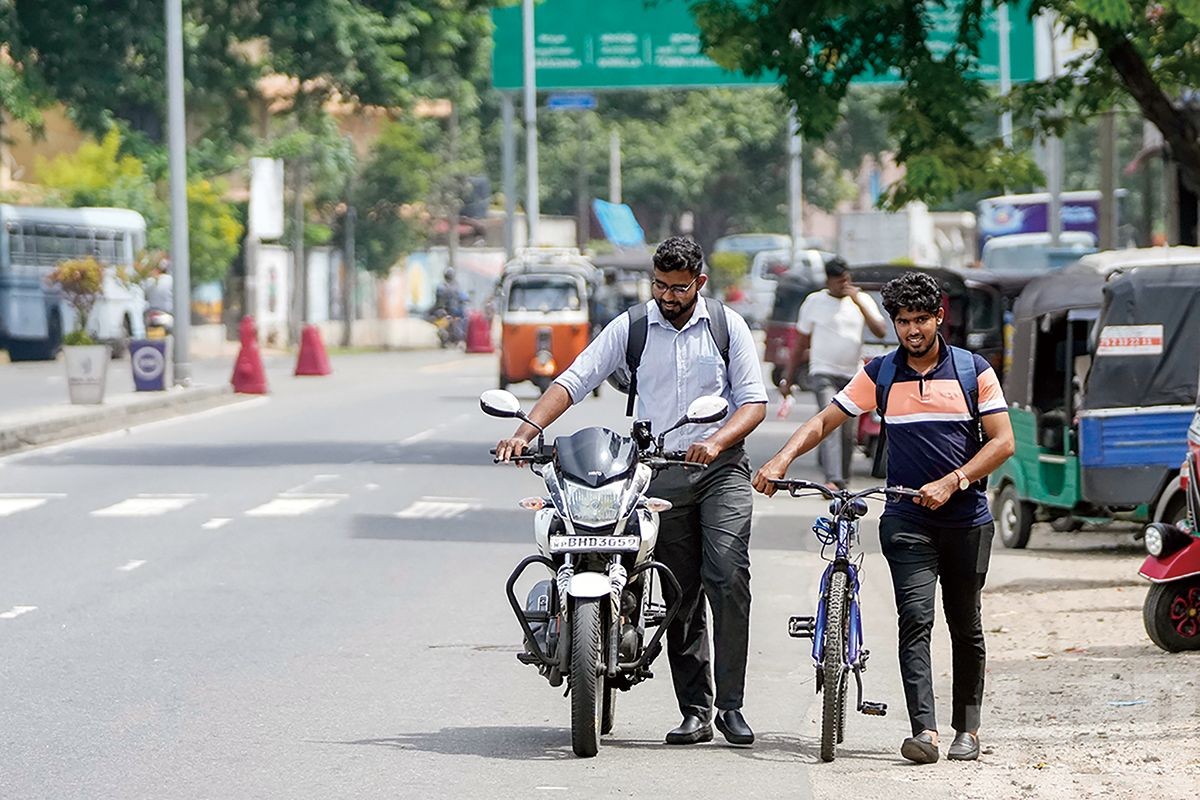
(921,351)
(670,314)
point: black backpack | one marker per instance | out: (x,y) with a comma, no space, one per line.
(624,379)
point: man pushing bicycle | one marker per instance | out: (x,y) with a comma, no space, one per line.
(945,431)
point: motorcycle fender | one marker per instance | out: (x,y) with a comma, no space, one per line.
(1181,564)
(589,584)
(541,529)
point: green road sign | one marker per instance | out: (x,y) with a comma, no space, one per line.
(625,44)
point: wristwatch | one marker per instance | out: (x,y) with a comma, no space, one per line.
(963,483)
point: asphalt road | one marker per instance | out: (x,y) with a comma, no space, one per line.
(302,597)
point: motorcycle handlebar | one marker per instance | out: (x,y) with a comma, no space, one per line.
(544,456)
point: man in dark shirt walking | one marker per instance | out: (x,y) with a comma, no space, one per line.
(933,442)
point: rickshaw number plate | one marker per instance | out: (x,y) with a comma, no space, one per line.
(593,544)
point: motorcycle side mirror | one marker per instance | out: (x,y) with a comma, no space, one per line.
(500,403)
(503,403)
(709,408)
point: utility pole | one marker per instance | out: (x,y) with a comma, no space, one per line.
(1108,180)
(614,166)
(532,209)
(454,196)
(508,169)
(177,161)
(795,192)
(350,276)
(299,271)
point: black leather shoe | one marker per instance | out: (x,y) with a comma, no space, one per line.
(965,747)
(692,730)
(733,725)
(920,749)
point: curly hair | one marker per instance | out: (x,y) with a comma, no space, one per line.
(679,253)
(915,291)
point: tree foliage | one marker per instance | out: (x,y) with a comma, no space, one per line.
(1146,54)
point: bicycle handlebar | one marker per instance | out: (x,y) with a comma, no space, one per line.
(792,487)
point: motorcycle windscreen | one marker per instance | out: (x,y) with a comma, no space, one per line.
(595,456)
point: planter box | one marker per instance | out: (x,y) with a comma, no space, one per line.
(87,372)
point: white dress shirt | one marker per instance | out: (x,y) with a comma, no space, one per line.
(677,366)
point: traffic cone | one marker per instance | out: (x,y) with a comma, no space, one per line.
(313,359)
(479,333)
(249,377)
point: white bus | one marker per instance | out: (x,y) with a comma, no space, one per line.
(33,314)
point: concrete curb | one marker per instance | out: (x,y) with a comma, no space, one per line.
(69,422)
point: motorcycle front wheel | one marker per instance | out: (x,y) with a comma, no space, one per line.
(587,684)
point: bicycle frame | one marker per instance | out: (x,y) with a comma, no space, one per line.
(847,530)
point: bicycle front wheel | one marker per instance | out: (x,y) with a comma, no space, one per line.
(833,665)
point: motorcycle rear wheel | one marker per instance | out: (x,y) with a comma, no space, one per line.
(587,684)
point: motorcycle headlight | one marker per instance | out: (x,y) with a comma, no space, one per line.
(588,506)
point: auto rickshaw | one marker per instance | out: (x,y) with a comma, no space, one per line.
(974,303)
(544,297)
(1101,391)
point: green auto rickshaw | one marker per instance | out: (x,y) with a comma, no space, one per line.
(1105,355)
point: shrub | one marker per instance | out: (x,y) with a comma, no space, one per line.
(81,281)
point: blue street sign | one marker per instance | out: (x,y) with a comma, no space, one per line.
(573,101)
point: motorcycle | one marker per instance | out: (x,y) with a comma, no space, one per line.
(1171,612)
(159,324)
(595,532)
(451,330)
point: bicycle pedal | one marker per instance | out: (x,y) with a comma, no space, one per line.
(874,709)
(528,658)
(802,627)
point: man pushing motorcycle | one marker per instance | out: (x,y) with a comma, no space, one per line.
(689,347)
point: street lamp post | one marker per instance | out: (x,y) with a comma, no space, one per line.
(177,162)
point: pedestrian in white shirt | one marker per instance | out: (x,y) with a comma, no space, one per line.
(831,340)
(705,537)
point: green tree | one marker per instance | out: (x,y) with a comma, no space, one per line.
(395,179)
(1145,57)
(214,232)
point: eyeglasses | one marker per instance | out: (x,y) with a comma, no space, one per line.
(674,288)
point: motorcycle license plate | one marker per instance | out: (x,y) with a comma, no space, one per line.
(593,544)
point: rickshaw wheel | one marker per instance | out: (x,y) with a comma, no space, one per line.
(1171,614)
(1014,517)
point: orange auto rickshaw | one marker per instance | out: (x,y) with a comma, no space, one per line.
(544,297)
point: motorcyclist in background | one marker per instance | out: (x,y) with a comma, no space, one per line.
(450,301)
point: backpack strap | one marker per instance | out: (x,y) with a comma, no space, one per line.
(968,379)
(883,383)
(634,345)
(718,326)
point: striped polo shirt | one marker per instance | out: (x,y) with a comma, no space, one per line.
(929,432)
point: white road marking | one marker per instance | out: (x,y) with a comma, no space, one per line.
(315,479)
(216,522)
(131,566)
(419,437)
(438,508)
(15,503)
(784,506)
(147,505)
(295,505)
(371,487)
(17,611)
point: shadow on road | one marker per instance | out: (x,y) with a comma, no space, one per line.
(274,454)
(509,742)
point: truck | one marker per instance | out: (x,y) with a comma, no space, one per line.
(883,237)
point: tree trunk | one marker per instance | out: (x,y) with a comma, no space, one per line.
(1177,127)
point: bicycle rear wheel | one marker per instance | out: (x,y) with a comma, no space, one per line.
(833,666)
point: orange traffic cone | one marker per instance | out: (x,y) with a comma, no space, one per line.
(249,377)
(313,359)
(479,333)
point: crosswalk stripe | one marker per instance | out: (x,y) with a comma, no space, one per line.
(295,505)
(17,611)
(15,503)
(429,508)
(146,505)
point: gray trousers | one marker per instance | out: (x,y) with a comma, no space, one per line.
(834,452)
(705,541)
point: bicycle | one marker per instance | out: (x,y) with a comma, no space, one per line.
(836,630)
